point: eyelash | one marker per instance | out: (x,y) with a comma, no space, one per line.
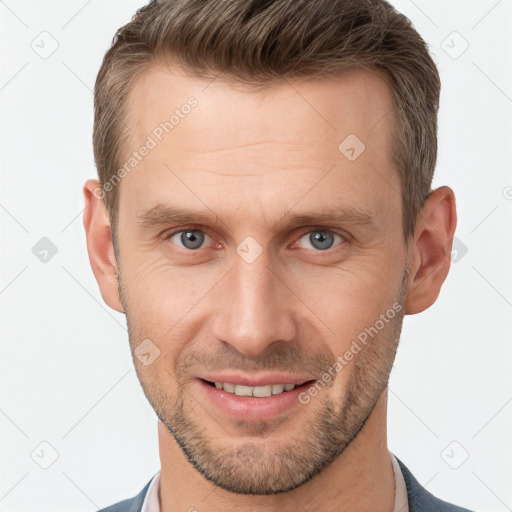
(311,229)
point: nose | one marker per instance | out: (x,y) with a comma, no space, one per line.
(255,308)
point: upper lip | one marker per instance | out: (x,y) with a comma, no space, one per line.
(257,379)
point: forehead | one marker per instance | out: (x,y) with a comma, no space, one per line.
(307,109)
(294,131)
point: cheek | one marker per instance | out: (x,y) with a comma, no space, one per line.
(158,287)
(363,281)
(165,303)
(349,300)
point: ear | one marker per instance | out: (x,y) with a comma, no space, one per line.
(430,250)
(99,244)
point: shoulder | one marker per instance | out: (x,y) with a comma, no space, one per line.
(420,500)
(130,505)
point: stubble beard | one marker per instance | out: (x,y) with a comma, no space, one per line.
(262,466)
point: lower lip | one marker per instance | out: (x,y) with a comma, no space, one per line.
(251,408)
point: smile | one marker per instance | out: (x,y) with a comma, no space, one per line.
(256,391)
(266,401)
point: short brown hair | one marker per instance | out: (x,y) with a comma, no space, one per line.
(256,42)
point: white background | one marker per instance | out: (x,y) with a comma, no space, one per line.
(66,373)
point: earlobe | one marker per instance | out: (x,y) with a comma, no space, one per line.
(430,250)
(99,244)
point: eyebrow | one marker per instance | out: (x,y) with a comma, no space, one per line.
(161,215)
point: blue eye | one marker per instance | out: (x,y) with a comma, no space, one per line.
(321,240)
(190,239)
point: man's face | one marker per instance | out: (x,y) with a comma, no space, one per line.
(247,297)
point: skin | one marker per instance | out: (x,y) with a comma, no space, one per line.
(252,158)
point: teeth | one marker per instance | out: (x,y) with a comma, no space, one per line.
(230,388)
(261,391)
(277,388)
(243,390)
(256,391)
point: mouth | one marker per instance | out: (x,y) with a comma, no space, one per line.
(256,391)
(264,402)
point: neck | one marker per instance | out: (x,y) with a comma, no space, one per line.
(361,478)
